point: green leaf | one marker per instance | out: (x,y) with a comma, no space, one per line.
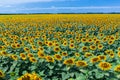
(81,77)
(65,76)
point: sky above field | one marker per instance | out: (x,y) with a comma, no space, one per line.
(59,6)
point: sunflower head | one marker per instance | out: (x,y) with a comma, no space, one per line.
(56,49)
(64,54)
(14,57)
(23,56)
(95,59)
(49,59)
(100,46)
(84,48)
(69,61)
(117,68)
(41,54)
(104,66)
(58,57)
(32,59)
(81,63)
(2,75)
(93,47)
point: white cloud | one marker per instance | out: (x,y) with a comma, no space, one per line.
(21,1)
(73,8)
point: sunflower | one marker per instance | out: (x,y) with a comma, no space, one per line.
(83,40)
(102,57)
(118,53)
(118,48)
(89,40)
(2,75)
(100,46)
(69,61)
(101,34)
(50,44)
(4,53)
(112,38)
(95,59)
(65,44)
(39,43)
(110,42)
(64,54)
(58,57)
(104,66)
(49,59)
(84,48)
(77,54)
(81,63)
(14,57)
(34,47)
(71,46)
(72,41)
(30,55)
(26,49)
(13,45)
(97,42)
(56,49)
(93,47)
(111,55)
(87,54)
(41,54)
(117,68)
(41,49)
(32,59)
(104,39)
(17,45)
(23,56)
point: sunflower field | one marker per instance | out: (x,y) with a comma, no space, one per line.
(60,47)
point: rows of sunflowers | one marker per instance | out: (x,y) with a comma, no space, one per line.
(60,47)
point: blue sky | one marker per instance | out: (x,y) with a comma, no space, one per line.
(59,6)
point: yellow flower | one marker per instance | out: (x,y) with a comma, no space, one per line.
(32,59)
(100,46)
(69,61)
(83,40)
(56,49)
(81,63)
(64,54)
(71,46)
(77,54)
(104,66)
(102,57)
(118,53)
(41,54)
(95,59)
(30,55)
(117,68)
(84,48)
(23,56)
(110,42)
(39,43)
(49,59)
(4,53)
(93,47)
(2,75)
(26,49)
(17,45)
(50,44)
(65,44)
(89,40)
(14,57)
(87,54)
(57,57)
(118,48)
